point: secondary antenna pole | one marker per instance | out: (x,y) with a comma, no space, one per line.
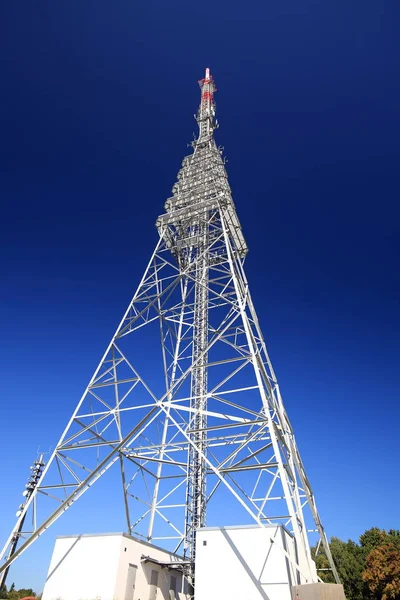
(37,469)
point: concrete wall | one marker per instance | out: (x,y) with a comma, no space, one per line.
(318,591)
(104,567)
(241,563)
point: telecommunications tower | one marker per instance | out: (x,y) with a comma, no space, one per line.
(184,407)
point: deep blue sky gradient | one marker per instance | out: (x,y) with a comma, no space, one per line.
(96,110)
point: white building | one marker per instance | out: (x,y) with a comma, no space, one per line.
(232,563)
(112,567)
(243,563)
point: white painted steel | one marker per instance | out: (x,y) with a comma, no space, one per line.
(198,421)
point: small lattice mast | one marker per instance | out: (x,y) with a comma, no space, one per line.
(32,483)
(184,412)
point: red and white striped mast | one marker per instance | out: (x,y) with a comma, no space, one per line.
(206,112)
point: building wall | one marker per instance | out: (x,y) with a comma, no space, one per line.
(132,552)
(96,567)
(241,563)
(83,568)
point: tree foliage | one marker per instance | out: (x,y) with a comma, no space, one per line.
(13,594)
(370,569)
(349,561)
(382,571)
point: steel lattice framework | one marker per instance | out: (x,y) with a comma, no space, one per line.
(185,402)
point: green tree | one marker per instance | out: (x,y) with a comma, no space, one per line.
(375,537)
(14,594)
(24,592)
(371,539)
(357,566)
(349,560)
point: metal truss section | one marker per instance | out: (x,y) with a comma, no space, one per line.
(34,477)
(185,405)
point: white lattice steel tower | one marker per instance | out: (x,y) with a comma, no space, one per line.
(185,404)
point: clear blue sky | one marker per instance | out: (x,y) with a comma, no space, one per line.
(96,110)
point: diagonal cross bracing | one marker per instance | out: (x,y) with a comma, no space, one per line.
(184,404)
